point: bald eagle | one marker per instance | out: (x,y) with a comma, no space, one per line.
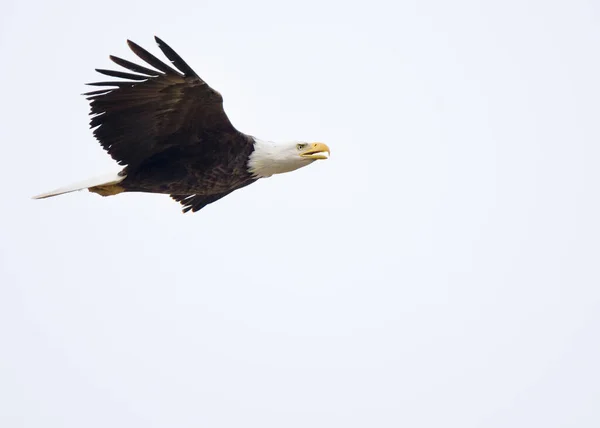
(167,127)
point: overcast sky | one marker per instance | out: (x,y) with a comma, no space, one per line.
(442,269)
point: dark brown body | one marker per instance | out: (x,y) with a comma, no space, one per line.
(205,169)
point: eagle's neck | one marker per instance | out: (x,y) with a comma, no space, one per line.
(269,158)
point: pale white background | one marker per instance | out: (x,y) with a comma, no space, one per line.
(441,270)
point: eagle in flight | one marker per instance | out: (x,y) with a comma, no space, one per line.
(167,127)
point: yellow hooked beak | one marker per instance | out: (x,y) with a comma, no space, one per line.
(316,151)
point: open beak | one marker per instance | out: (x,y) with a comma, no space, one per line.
(316,151)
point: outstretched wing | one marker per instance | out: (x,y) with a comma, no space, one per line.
(154,109)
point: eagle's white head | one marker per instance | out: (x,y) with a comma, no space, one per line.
(270,158)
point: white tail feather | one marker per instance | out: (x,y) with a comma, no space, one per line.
(105,180)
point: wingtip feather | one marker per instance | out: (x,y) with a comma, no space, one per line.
(151,59)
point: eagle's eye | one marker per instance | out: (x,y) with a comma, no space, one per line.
(300,146)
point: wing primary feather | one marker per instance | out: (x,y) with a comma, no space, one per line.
(133,66)
(120,74)
(151,59)
(175,59)
(95,121)
(100,91)
(115,83)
